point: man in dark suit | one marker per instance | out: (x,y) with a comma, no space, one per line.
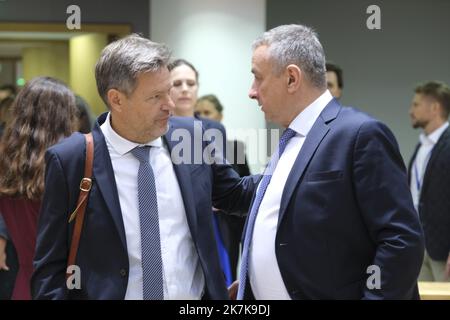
(335,79)
(332,217)
(148,231)
(429,176)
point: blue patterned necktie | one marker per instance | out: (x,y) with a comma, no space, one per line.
(149,222)
(285,137)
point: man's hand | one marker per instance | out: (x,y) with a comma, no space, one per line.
(3,265)
(447,268)
(233,290)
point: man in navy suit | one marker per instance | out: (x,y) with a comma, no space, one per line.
(149,210)
(334,219)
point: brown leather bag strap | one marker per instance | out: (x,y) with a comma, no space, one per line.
(85,187)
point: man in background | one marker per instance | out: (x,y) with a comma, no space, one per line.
(429,176)
(335,80)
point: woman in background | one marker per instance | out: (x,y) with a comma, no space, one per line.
(43,113)
(230,226)
(184,78)
(184,91)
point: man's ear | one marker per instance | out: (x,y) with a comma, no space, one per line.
(294,75)
(115,99)
(437,108)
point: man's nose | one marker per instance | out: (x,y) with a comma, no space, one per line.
(169,105)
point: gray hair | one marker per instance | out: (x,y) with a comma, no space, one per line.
(122,61)
(299,45)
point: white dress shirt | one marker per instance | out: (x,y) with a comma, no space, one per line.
(427,143)
(264,273)
(182,273)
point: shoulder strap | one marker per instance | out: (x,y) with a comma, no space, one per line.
(85,187)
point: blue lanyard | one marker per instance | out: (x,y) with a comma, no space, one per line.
(416,171)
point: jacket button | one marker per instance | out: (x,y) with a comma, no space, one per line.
(123,272)
(283,244)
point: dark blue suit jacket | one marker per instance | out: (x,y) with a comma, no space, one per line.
(434,202)
(346,205)
(102,254)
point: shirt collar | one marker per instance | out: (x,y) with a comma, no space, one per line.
(433,137)
(304,121)
(120,144)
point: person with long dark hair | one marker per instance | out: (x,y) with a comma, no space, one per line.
(43,113)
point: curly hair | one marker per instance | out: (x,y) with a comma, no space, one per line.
(43,113)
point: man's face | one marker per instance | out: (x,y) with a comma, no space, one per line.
(206,109)
(421,111)
(332,83)
(268,88)
(184,90)
(146,111)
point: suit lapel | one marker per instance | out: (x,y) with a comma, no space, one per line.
(434,156)
(313,139)
(104,175)
(183,173)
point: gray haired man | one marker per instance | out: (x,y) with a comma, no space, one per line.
(332,217)
(148,229)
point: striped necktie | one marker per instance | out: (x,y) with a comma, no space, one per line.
(149,223)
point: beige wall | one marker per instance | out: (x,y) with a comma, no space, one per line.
(46,59)
(84,52)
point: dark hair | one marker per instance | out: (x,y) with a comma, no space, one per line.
(84,115)
(43,113)
(331,67)
(5,112)
(438,91)
(214,100)
(5,108)
(182,62)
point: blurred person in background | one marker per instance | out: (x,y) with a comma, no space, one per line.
(231,226)
(335,79)
(7,95)
(85,118)
(8,255)
(7,90)
(43,113)
(429,176)
(184,93)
